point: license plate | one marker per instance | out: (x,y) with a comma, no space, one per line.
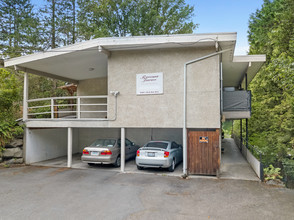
(94,153)
(151,154)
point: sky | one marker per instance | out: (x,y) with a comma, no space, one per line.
(221,16)
(225,16)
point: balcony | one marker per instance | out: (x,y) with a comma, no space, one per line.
(237,104)
(68,108)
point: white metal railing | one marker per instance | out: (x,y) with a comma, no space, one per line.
(68,107)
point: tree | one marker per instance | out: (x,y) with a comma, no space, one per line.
(9,95)
(271,31)
(59,21)
(104,18)
(20,28)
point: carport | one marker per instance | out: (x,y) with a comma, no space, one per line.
(50,147)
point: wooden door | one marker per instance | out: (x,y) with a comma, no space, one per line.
(203,152)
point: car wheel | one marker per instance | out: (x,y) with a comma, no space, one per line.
(139,168)
(117,162)
(172,166)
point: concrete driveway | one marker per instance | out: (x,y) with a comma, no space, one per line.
(33,192)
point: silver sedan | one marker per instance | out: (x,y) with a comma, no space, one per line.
(159,154)
(107,151)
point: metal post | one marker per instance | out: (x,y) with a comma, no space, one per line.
(184,123)
(69,147)
(52,108)
(123,149)
(79,108)
(241,138)
(25,96)
(246,118)
(221,87)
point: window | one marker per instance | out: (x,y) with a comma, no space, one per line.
(162,145)
(128,143)
(174,145)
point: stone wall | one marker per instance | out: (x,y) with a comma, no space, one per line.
(13,152)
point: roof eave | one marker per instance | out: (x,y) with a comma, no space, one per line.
(116,43)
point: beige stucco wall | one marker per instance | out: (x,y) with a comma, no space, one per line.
(93,87)
(166,110)
(97,86)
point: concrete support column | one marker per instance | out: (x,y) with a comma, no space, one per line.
(123,149)
(69,147)
(25,96)
(25,145)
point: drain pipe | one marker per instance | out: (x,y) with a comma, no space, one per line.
(185,173)
(115,94)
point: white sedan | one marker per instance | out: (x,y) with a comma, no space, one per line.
(159,154)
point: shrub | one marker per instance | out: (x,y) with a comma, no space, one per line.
(272,173)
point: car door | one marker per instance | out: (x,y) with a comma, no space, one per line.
(129,150)
(176,150)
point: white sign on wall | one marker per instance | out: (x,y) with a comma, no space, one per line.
(149,84)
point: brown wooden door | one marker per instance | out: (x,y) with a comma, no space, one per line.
(203,152)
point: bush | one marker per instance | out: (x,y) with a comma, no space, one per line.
(288,168)
(272,173)
(9,96)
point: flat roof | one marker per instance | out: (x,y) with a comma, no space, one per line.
(88,59)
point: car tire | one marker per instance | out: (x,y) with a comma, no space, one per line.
(139,168)
(172,166)
(117,162)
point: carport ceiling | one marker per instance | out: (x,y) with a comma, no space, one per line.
(77,65)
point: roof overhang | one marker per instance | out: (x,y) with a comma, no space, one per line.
(88,59)
(234,70)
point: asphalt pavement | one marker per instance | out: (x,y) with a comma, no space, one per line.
(32,192)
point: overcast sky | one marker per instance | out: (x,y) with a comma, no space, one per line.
(225,16)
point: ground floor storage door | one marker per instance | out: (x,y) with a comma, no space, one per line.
(203,152)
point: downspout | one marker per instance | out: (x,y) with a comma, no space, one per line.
(115,94)
(221,86)
(185,173)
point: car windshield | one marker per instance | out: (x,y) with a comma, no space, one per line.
(103,143)
(161,145)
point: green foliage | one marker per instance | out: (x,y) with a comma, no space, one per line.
(42,87)
(288,167)
(227,128)
(271,31)
(133,17)
(272,173)
(58,20)
(9,95)
(20,28)
(9,130)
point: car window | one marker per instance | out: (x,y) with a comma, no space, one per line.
(128,143)
(162,145)
(103,143)
(174,145)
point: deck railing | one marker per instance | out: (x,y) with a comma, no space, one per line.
(69,107)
